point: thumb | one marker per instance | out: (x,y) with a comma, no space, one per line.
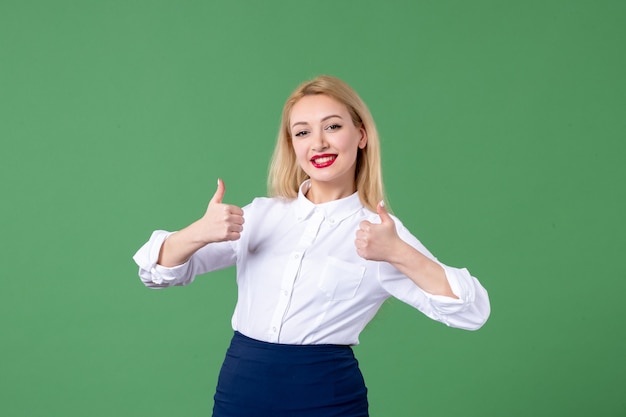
(219,193)
(383,213)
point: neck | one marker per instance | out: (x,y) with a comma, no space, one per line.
(319,193)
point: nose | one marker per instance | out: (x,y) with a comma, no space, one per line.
(319,141)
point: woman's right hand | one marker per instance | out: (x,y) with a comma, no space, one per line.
(221,222)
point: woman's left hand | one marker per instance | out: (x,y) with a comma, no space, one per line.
(377,242)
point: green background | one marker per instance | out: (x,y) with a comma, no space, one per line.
(502,125)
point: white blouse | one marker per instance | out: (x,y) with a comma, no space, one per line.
(301,281)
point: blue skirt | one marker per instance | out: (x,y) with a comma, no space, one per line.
(260,379)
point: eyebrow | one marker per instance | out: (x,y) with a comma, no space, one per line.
(323,119)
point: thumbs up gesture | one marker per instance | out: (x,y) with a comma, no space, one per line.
(377,242)
(221,222)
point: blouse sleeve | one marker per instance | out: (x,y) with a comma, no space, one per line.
(470,311)
(211,257)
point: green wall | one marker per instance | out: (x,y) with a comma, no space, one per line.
(503,136)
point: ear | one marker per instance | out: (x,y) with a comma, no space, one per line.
(363,140)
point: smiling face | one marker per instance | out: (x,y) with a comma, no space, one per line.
(326,144)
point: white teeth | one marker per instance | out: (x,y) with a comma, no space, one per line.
(324,159)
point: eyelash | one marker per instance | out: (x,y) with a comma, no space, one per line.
(332,127)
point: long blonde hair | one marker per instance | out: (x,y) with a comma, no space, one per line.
(286,175)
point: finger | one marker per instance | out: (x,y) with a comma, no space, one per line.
(385,217)
(235,228)
(233,236)
(234,218)
(360,251)
(237,211)
(219,193)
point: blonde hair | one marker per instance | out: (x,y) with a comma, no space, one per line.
(286,175)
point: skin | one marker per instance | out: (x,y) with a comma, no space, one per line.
(326,144)
(221,222)
(321,126)
(380,242)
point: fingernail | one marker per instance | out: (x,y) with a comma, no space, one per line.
(382,203)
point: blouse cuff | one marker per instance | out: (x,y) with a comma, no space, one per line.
(457,278)
(152,274)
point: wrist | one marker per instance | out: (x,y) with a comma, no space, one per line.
(193,235)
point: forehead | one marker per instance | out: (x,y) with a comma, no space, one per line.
(316,107)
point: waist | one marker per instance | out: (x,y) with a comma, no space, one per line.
(288,352)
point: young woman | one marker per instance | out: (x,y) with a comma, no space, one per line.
(315,261)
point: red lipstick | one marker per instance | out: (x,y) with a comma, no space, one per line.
(324,160)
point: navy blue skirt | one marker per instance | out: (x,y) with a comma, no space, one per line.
(260,379)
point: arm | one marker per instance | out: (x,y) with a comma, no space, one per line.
(168,259)
(221,222)
(446,294)
(380,242)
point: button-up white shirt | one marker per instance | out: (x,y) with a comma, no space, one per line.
(301,281)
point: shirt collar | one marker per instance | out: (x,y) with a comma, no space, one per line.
(334,211)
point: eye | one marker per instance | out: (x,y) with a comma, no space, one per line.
(334,126)
(301,133)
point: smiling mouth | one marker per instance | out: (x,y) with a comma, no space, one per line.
(322,161)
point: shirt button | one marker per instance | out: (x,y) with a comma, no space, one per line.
(285,293)
(296,255)
(274,329)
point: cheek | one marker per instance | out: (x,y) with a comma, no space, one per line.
(296,150)
(300,153)
(351,147)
